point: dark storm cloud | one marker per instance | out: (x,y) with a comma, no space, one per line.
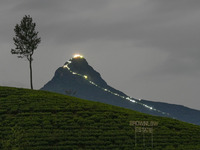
(155,38)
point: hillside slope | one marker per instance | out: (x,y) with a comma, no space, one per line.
(40,120)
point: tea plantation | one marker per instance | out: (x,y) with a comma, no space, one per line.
(39,120)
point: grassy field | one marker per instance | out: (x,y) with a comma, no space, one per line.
(39,120)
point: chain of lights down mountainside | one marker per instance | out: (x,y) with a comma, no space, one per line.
(106,90)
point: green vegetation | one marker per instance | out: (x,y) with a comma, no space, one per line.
(39,120)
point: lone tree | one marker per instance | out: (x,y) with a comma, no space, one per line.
(26,41)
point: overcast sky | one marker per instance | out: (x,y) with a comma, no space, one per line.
(148,49)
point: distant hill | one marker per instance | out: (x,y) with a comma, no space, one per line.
(39,120)
(79,79)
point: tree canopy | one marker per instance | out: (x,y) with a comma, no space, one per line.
(26,41)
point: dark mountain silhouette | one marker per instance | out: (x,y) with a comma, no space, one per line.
(77,78)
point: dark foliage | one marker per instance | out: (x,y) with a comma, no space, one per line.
(26,41)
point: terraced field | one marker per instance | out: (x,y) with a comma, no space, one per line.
(39,120)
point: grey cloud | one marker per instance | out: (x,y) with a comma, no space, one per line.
(37,5)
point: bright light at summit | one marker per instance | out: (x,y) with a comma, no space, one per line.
(77,56)
(85,76)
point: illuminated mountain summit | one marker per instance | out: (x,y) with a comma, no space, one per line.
(77,75)
(77,78)
(79,66)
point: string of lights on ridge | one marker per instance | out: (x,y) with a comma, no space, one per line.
(78,56)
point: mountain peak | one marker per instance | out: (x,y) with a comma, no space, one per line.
(77,62)
(78,65)
(77,77)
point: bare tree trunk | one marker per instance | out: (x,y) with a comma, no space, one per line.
(31,78)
